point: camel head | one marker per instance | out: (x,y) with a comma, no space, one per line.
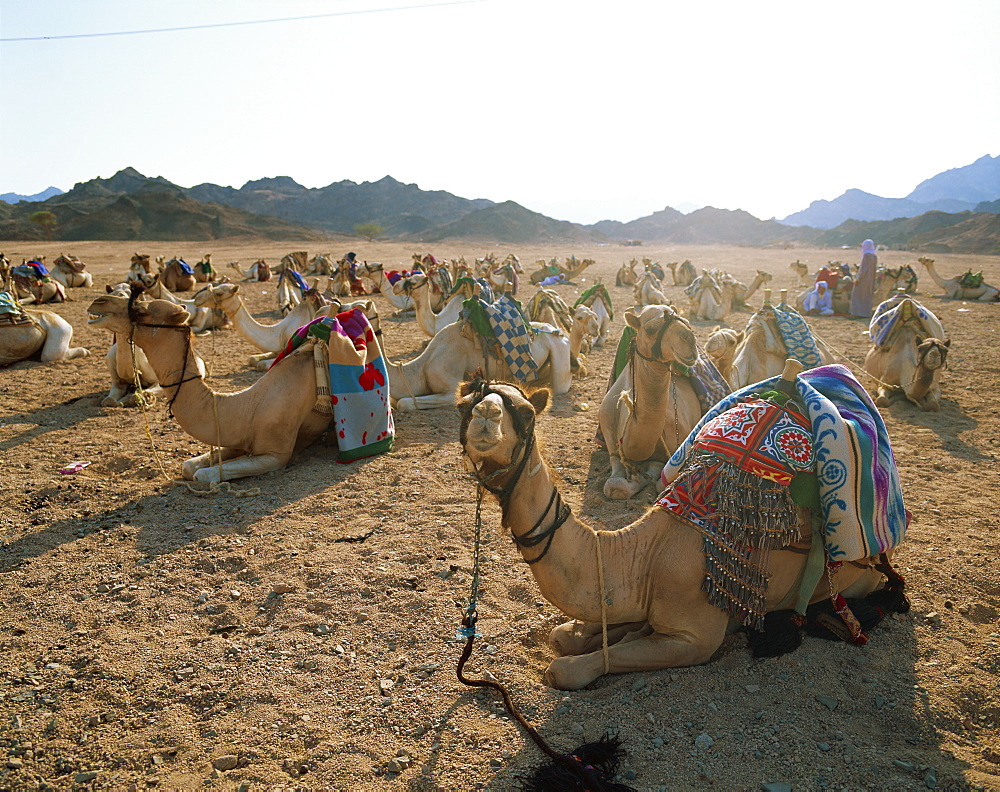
(497,429)
(927,262)
(582,315)
(408,285)
(723,341)
(215,296)
(932,353)
(662,335)
(120,314)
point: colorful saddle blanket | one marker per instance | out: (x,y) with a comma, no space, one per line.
(596,292)
(296,278)
(895,312)
(186,268)
(971,280)
(861,500)
(11,312)
(799,340)
(506,331)
(359,382)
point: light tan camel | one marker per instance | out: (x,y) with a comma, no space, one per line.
(953,288)
(46,336)
(258,428)
(270,339)
(258,272)
(708,298)
(585,326)
(71,272)
(683,274)
(651,407)
(26,285)
(430,379)
(174,278)
(375,271)
(124,362)
(909,363)
(139,266)
(417,288)
(721,346)
(762,352)
(297,260)
(647,290)
(742,293)
(801,269)
(546,305)
(202,319)
(889,282)
(650,574)
(321,264)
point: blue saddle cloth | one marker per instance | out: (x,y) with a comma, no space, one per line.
(185,267)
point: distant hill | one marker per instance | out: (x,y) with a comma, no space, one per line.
(129,206)
(703,226)
(399,208)
(511,223)
(956,190)
(48,192)
(931,232)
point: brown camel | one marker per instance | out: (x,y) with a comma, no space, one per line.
(645,582)
(174,278)
(721,346)
(258,428)
(683,274)
(650,407)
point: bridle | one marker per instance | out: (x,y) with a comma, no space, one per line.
(524,430)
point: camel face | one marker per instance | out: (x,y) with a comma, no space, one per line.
(663,335)
(588,319)
(111,312)
(214,296)
(496,420)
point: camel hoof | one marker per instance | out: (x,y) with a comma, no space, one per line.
(405,405)
(206,475)
(882,401)
(564,673)
(621,488)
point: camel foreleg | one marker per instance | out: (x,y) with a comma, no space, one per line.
(235,465)
(638,652)
(577,638)
(423,402)
(627,481)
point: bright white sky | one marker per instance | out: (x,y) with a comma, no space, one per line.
(580,110)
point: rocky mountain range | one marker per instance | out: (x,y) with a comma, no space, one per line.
(130,206)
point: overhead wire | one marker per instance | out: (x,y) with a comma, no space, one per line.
(354,12)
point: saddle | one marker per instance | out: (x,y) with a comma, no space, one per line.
(971,280)
(11,312)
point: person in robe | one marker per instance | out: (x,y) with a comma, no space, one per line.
(819,302)
(864,283)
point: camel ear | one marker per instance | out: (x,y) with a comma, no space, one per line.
(948,343)
(739,336)
(920,340)
(539,400)
(631,318)
(107,288)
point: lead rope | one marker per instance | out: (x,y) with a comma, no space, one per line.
(604,604)
(468,631)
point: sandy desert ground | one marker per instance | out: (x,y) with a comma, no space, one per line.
(145,641)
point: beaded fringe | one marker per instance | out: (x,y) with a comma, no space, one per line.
(749,516)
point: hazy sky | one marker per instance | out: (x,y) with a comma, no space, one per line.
(580,110)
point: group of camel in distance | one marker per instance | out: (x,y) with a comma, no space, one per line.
(648,410)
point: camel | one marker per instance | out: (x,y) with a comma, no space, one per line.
(259,271)
(321,264)
(503,276)
(174,278)
(270,339)
(30,283)
(909,360)
(202,319)
(708,298)
(585,327)
(42,334)
(139,266)
(626,275)
(721,347)
(647,290)
(291,288)
(643,582)
(126,363)
(71,272)
(204,272)
(430,379)
(548,306)
(650,407)
(258,428)
(762,352)
(801,269)
(685,276)
(962,287)
(598,299)
(889,282)
(417,287)
(297,260)
(375,271)
(742,293)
